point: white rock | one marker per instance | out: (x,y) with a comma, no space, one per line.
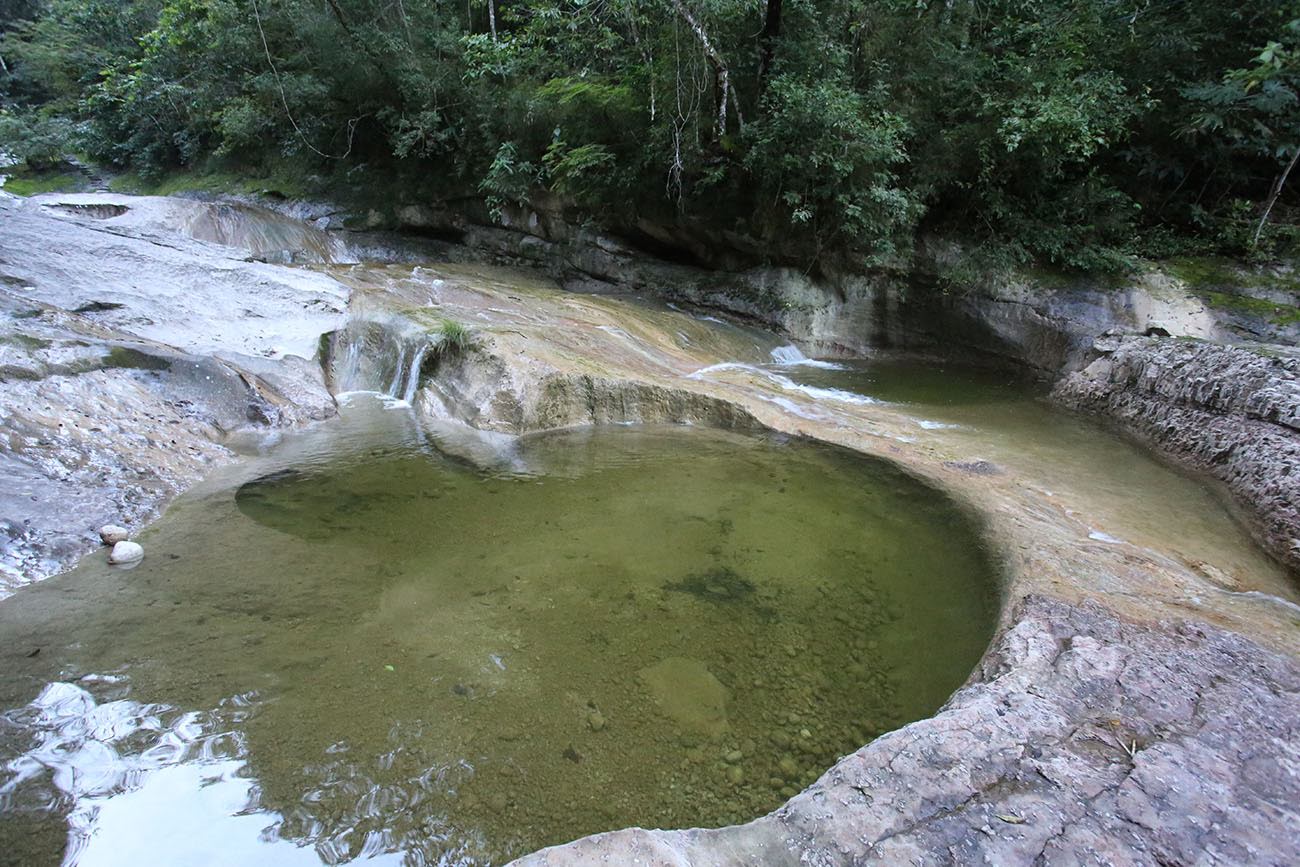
(126,552)
(112,534)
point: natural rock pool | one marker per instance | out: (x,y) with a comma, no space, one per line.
(356,647)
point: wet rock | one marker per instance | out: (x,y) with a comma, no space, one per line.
(1214,716)
(126,552)
(111,534)
(1228,411)
(978,467)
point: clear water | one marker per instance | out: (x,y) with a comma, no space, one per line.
(1126,493)
(354,648)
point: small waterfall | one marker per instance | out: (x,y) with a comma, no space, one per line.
(791,356)
(413,372)
(788,355)
(383,356)
(267,235)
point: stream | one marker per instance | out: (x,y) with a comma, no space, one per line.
(413,635)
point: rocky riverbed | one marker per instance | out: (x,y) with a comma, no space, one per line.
(1139,704)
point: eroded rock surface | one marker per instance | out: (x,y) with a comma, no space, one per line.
(124,362)
(1083,739)
(1229,411)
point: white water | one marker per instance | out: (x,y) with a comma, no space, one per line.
(791,356)
(787,384)
(378,356)
(406,375)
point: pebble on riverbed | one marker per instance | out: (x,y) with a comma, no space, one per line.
(111,534)
(126,552)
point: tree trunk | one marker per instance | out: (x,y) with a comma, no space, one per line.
(767,41)
(492,18)
(1272,198)
(724,76)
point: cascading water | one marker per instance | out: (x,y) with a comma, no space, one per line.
(385,355)
(382,356)
(788,355)
(791,356)
(267,235)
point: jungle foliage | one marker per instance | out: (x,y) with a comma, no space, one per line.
(1075,132)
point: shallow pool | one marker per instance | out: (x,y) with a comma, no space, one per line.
(355,647)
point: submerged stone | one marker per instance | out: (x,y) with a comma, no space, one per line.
(689,694)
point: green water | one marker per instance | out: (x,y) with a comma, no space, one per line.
(357,648)
(1083,467)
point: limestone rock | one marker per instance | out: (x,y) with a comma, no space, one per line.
(112,534)
(126,552)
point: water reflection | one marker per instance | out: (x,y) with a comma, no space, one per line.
(440,664)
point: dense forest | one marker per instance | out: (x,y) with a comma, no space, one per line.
(1075,132)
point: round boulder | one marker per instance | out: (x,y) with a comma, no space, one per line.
(126,552)
(112,534)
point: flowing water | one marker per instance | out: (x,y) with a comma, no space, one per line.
(356,648)
(1129,495)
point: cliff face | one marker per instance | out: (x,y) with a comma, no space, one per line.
(1045,322)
